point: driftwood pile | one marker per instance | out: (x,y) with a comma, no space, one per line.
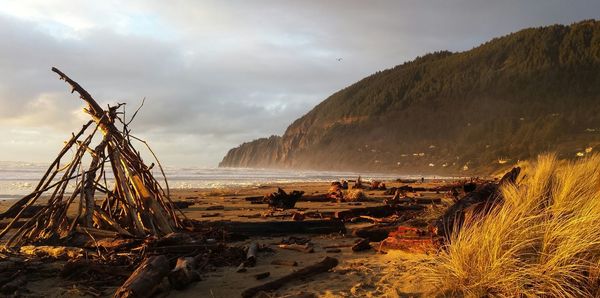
(101,213)
(135,205)
(478,201)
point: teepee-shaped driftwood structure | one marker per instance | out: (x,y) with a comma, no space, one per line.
(132,202)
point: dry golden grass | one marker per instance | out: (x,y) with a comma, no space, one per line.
(543,241)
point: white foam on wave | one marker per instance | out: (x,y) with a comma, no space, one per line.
(20,178)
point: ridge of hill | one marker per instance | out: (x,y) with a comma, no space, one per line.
(473,112)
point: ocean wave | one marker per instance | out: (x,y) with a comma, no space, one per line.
(19,178)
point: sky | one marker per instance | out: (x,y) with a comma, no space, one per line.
(215,74)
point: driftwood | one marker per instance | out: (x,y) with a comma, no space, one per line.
(216,207)
(254,198)
(469,187)
(182,204)
(250,260)
(361,245)
(284,263)
(15,225)
(338,245)
(406,188)
(184,273)
(427,201)
(29,212)
(270,228)
(307,248)
(282,200)
(251,255)
(376,211)
(480,201)
(55,252)
(134,205)
(323,266)
(262,275)
(374,233)
(144,281)
(106,224)
(303,198)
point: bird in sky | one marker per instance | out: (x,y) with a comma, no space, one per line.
(339,59)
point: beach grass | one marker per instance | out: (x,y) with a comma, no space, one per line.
(543,241)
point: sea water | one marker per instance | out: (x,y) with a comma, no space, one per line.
(20,178)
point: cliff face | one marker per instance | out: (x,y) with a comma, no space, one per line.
(260,153)
(509,99)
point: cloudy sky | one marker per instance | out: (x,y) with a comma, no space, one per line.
(218,73)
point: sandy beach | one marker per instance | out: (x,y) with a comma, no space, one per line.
(359,274)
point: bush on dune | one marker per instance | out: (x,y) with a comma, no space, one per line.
(544,240)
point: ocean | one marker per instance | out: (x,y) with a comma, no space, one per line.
(20,178)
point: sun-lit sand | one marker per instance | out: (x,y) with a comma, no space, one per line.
(359,274)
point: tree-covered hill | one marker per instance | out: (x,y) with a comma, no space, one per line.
(472,112)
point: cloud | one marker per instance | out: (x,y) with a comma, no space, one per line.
(218,73)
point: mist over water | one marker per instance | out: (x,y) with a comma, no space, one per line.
(20,178)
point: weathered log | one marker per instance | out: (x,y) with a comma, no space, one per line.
(323,266)
(469,187)
(184,273)
(284,263)
(375,211)
(362,244)
(206,215)
(251,255)
(216,207)
(250,260)
(406,188)
(262,275)
(482,199)
(241,268)
(374,233)
(89,187)
(144,281)
(254,198)
(182,204)
(270,228)
(338,245)
(297,247)
(160,218)
(101,216)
